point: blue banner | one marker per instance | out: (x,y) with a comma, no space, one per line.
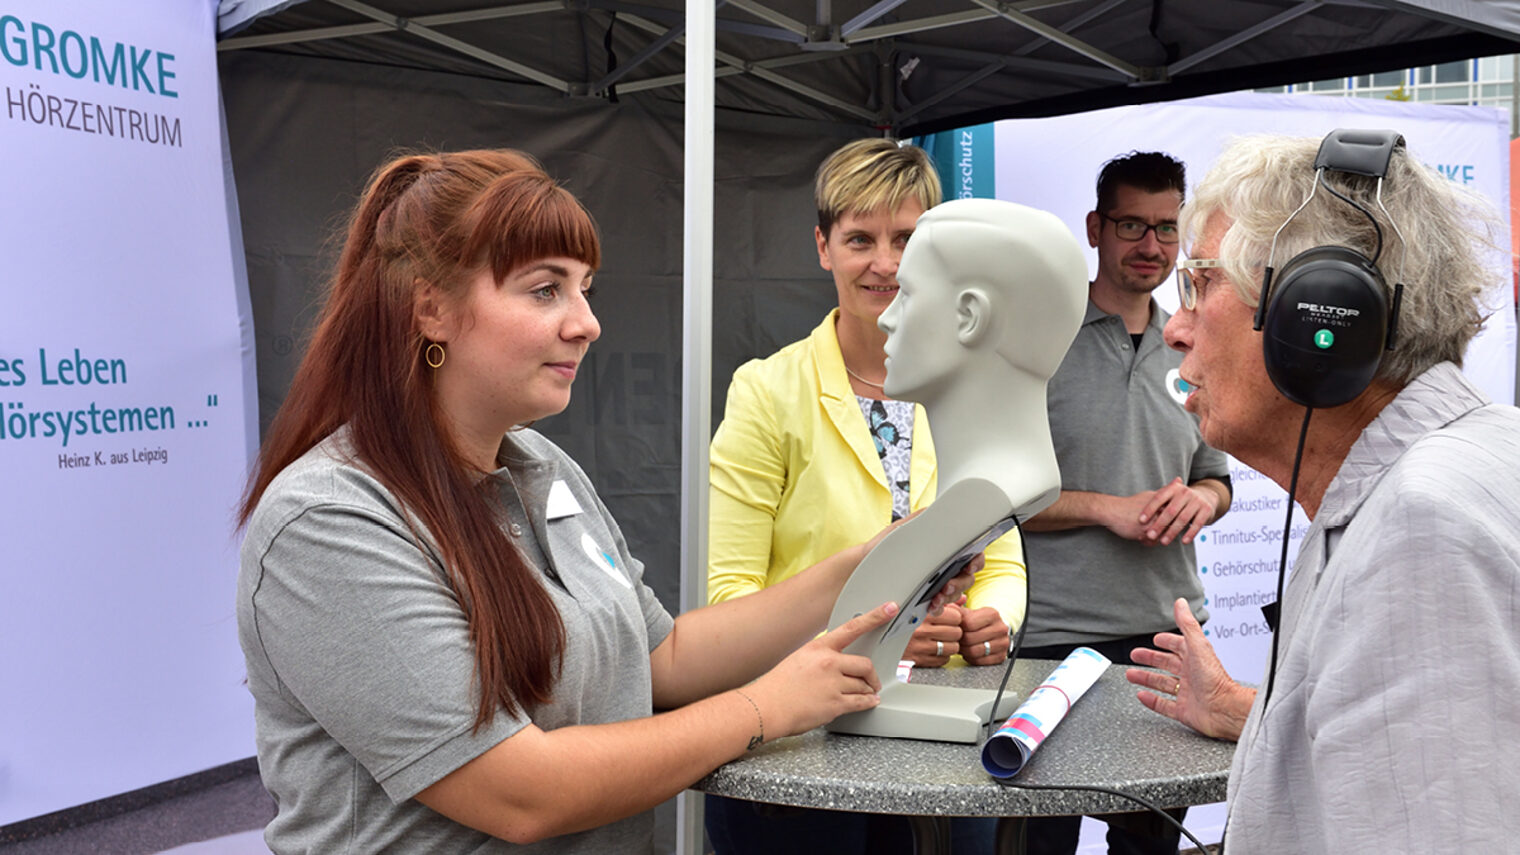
(966,161)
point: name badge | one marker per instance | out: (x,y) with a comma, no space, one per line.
(562,502)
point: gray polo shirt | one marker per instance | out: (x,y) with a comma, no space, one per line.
(1117,429)
(361,665)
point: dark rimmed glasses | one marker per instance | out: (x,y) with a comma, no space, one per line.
(1190,289)
(1134,230)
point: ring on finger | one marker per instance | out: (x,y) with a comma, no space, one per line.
(939,648)
(986,648)
(1178,690)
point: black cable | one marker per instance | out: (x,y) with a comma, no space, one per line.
(1298,457)
(1282,563)
(1282,568)
(1108,792)
(1018,639)
(1018,642)
(1366,213)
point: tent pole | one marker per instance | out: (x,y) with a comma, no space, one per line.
(696,343)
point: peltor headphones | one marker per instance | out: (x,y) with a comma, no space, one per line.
(1326,317)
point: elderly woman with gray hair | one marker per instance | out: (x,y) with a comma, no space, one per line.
(1388,720)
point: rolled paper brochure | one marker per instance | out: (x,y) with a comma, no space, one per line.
(1010,748)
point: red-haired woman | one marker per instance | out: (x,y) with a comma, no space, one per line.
(449,646)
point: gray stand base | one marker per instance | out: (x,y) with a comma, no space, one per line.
(937,713)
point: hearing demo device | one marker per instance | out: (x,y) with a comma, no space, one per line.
(1327,318)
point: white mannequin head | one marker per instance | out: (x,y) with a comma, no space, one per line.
(990,298)
(991,295)
(982,277)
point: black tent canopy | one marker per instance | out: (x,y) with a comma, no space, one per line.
(908,66)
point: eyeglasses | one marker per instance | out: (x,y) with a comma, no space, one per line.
(1134,230)
(1189,289)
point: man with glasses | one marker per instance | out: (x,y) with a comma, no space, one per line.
(1107,560)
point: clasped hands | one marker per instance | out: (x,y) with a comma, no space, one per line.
(980,636)
(1175,512)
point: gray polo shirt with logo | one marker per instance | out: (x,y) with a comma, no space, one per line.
(1118,425)
(360,660)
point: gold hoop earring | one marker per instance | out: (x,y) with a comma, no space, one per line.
(434,354)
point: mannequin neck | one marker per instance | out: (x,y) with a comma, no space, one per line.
(997,432)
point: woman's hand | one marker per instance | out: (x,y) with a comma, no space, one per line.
(819,682)
(984,636)
(1192,686)
(936,639)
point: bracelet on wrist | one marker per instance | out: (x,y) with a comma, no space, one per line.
(758,739)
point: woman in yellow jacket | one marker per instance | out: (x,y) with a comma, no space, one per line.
(812,457)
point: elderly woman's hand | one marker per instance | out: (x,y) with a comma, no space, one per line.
(1191,685)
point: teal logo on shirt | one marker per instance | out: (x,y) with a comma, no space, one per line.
(603,559)
(1177,387)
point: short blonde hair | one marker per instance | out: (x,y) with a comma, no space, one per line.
(871,174)
(1451,231)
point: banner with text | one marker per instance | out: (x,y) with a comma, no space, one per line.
(125,425)
(965,160)
(1053,164)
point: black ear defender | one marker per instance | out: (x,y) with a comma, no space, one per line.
(1327,316)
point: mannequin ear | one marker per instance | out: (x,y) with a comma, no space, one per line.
(433,312)
(1094,228)
(973,316)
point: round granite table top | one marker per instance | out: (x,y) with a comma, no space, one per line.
(1108,739)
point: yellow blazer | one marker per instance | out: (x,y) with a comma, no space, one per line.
(794,477)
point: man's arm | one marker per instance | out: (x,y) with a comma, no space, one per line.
(1222,496)
(1150,516)
(1082,508)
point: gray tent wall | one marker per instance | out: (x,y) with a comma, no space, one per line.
(306,132)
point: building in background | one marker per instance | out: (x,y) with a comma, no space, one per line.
(1488,81)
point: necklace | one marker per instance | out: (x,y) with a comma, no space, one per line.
(862,379)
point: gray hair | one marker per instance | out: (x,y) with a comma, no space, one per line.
(1451,231)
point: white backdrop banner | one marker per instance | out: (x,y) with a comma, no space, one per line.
(125,425)
(1053,164)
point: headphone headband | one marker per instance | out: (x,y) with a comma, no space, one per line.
(1358,151)
(1326,319)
